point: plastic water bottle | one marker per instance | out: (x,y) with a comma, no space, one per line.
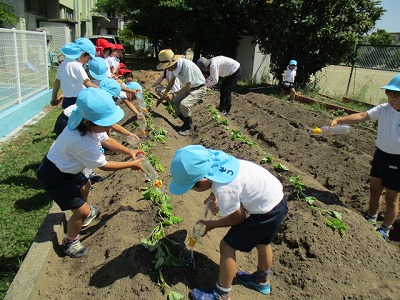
(151,173)
(199,228)
(328,130)
(139,97)
(187,256)
(133,141)
(197,233)
(142,124)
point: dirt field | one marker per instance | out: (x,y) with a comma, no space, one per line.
(311,261)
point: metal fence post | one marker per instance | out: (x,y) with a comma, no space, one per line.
(17,74)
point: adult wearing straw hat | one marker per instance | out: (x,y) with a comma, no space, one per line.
(193,88)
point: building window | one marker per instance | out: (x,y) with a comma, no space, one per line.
(37,7)
(66,13)
(111,15)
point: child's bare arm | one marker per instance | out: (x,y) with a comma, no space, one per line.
(114,145)
(130,106)
(351,119)
(119,165)
(234,218)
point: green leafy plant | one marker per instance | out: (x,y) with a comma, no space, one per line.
(238,135)
(296,182)
(280,167)
(267,159)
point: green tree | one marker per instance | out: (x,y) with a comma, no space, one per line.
(8,15)
(210,27)
(380,37)
(315,33)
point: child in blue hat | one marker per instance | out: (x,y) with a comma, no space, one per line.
(289,78)
(238,187)
(79,147)
(71,76)
(385,170)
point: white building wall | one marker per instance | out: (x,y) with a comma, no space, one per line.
(255,65)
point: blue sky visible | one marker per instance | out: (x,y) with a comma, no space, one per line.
(390,20)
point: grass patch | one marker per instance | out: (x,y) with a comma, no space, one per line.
(23,203)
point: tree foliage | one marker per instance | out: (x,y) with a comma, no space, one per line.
(314,32)
(379,37)
(210,27)
(8,15)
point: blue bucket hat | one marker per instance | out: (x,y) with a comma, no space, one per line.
(74,50)
(98,68)
(111,86)
(194,162)
(97,106)
(394,84)
(292,63)
(133,85)
(87,46)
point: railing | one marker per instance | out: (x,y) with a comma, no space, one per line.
(23,66)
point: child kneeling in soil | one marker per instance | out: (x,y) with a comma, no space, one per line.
(385,170)
(78,147)
(237,187)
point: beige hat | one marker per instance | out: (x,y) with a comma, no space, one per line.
(167,58)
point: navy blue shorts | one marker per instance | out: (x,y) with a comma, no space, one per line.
(387,167)
(67,101)
(288,85)
(64,188)
(257,229)
(61,123)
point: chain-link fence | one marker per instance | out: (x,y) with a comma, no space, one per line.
(373,68)
(23,65)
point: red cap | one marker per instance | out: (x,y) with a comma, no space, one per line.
(103,43)
(126,71)
(119,47)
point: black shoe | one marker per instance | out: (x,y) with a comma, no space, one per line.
(93,177)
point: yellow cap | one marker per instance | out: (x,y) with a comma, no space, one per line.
(317,130)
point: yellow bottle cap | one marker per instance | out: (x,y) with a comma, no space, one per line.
(317,130)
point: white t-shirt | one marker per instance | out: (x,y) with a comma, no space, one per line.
(188,72)
(72,153)
(221,66)
(388,137)
(177,84)
(71,75)
(110,62)
(290,75)
(254,187)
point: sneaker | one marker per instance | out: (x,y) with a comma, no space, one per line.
(384,233)
(75,249)
(249,280)
(187,131)
(197,294)
(94,211)
(370,219)
(225,113)
(93,177)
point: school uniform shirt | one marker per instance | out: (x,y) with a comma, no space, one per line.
(72,152)
(388,136)
(71,75)
(290,75)
(221,66)
(254,187)
(110,61)
(188,72)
